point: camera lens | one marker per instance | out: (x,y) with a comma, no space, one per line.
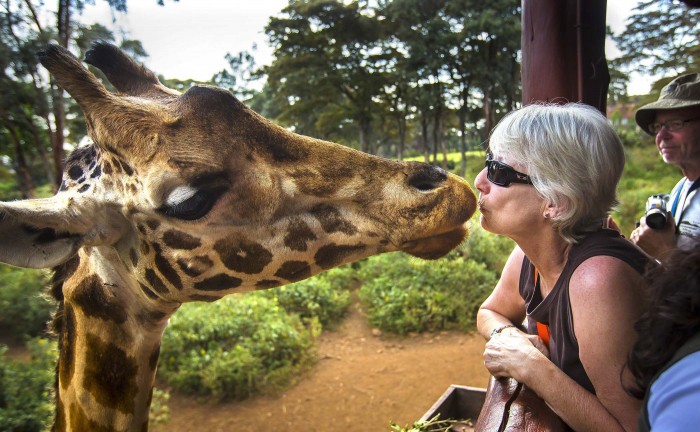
(656,219)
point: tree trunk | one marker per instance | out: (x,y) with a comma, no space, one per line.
(58,139)
(488,114)
(563,52)
(463,139)
(424,137)
(41,149)
(24,179)
(365,124)
(59,110)
(402,135)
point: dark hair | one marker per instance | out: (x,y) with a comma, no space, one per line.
(672,318)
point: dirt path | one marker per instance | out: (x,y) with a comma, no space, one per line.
(361,383)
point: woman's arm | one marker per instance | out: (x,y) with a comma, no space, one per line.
(606,299)
(605,302)
(504,306)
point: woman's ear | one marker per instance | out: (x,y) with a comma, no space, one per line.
(553,210)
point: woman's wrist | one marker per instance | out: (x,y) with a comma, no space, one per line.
(498,330)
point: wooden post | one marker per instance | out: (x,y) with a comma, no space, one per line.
(563,52)
(563,60)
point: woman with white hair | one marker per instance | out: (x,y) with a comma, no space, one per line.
(560,319)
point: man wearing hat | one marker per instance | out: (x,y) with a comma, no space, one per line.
(674,119)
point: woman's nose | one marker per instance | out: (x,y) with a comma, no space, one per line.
(480,181)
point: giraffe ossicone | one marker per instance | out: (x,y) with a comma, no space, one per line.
(188,197)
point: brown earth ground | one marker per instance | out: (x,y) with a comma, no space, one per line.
(362,382)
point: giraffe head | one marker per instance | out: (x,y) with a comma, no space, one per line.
(192,196)
(200,196)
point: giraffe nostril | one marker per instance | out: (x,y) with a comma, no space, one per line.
(427,178)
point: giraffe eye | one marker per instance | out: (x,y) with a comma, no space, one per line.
(191,204)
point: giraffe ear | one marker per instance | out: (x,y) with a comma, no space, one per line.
(43,233)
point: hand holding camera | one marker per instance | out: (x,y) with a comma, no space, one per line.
(655,211)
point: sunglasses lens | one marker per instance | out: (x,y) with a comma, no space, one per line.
(497,174)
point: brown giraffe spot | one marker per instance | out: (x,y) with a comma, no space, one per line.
(90,296)
(84,188)
(311,182)
(195,266)
(153,224)
(66,366)
(117,167)
(166,269)
(153,358)
(75,172)
(107,168)
(151,317)
(79,421)
(110,375)
(204,298)
(294,270)
(180,240)
(298,234)
(242,255)
(155,282)
(148,291)
(333,255)
(145,248)
(96,173)
(332,221)
(218,283)
(60,422)
(267,283)
(134,257)
(126,168)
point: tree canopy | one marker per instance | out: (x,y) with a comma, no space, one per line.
(397,78)
(661,38)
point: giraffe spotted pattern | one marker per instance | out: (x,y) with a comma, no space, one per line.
(189,197)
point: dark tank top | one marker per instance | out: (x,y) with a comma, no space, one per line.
(555,309)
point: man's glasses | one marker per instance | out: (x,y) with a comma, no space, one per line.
(502,174)
(671,125)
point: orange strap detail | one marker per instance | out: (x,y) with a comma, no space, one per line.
(542,329)
(543,332)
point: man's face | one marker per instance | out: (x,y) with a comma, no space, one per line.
(683,144)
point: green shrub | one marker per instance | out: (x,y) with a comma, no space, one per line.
(26,402)
(404,294)
(235,347)
(484,247)
(24,310)
(315,298)
(160,411)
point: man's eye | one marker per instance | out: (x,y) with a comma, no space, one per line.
(196,206)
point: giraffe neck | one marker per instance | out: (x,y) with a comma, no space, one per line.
(109,344)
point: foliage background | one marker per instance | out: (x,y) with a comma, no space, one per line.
(401,78)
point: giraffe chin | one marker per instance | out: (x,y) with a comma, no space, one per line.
(436,246)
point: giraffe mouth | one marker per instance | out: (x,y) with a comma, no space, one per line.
(435,246)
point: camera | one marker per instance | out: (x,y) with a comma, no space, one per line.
(655,211)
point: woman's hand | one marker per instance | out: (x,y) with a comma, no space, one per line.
(512,353)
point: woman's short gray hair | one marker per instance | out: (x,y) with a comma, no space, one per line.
(572,154)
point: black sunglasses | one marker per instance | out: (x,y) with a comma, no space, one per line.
(502,174)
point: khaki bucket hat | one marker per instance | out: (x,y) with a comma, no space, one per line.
(682,92)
